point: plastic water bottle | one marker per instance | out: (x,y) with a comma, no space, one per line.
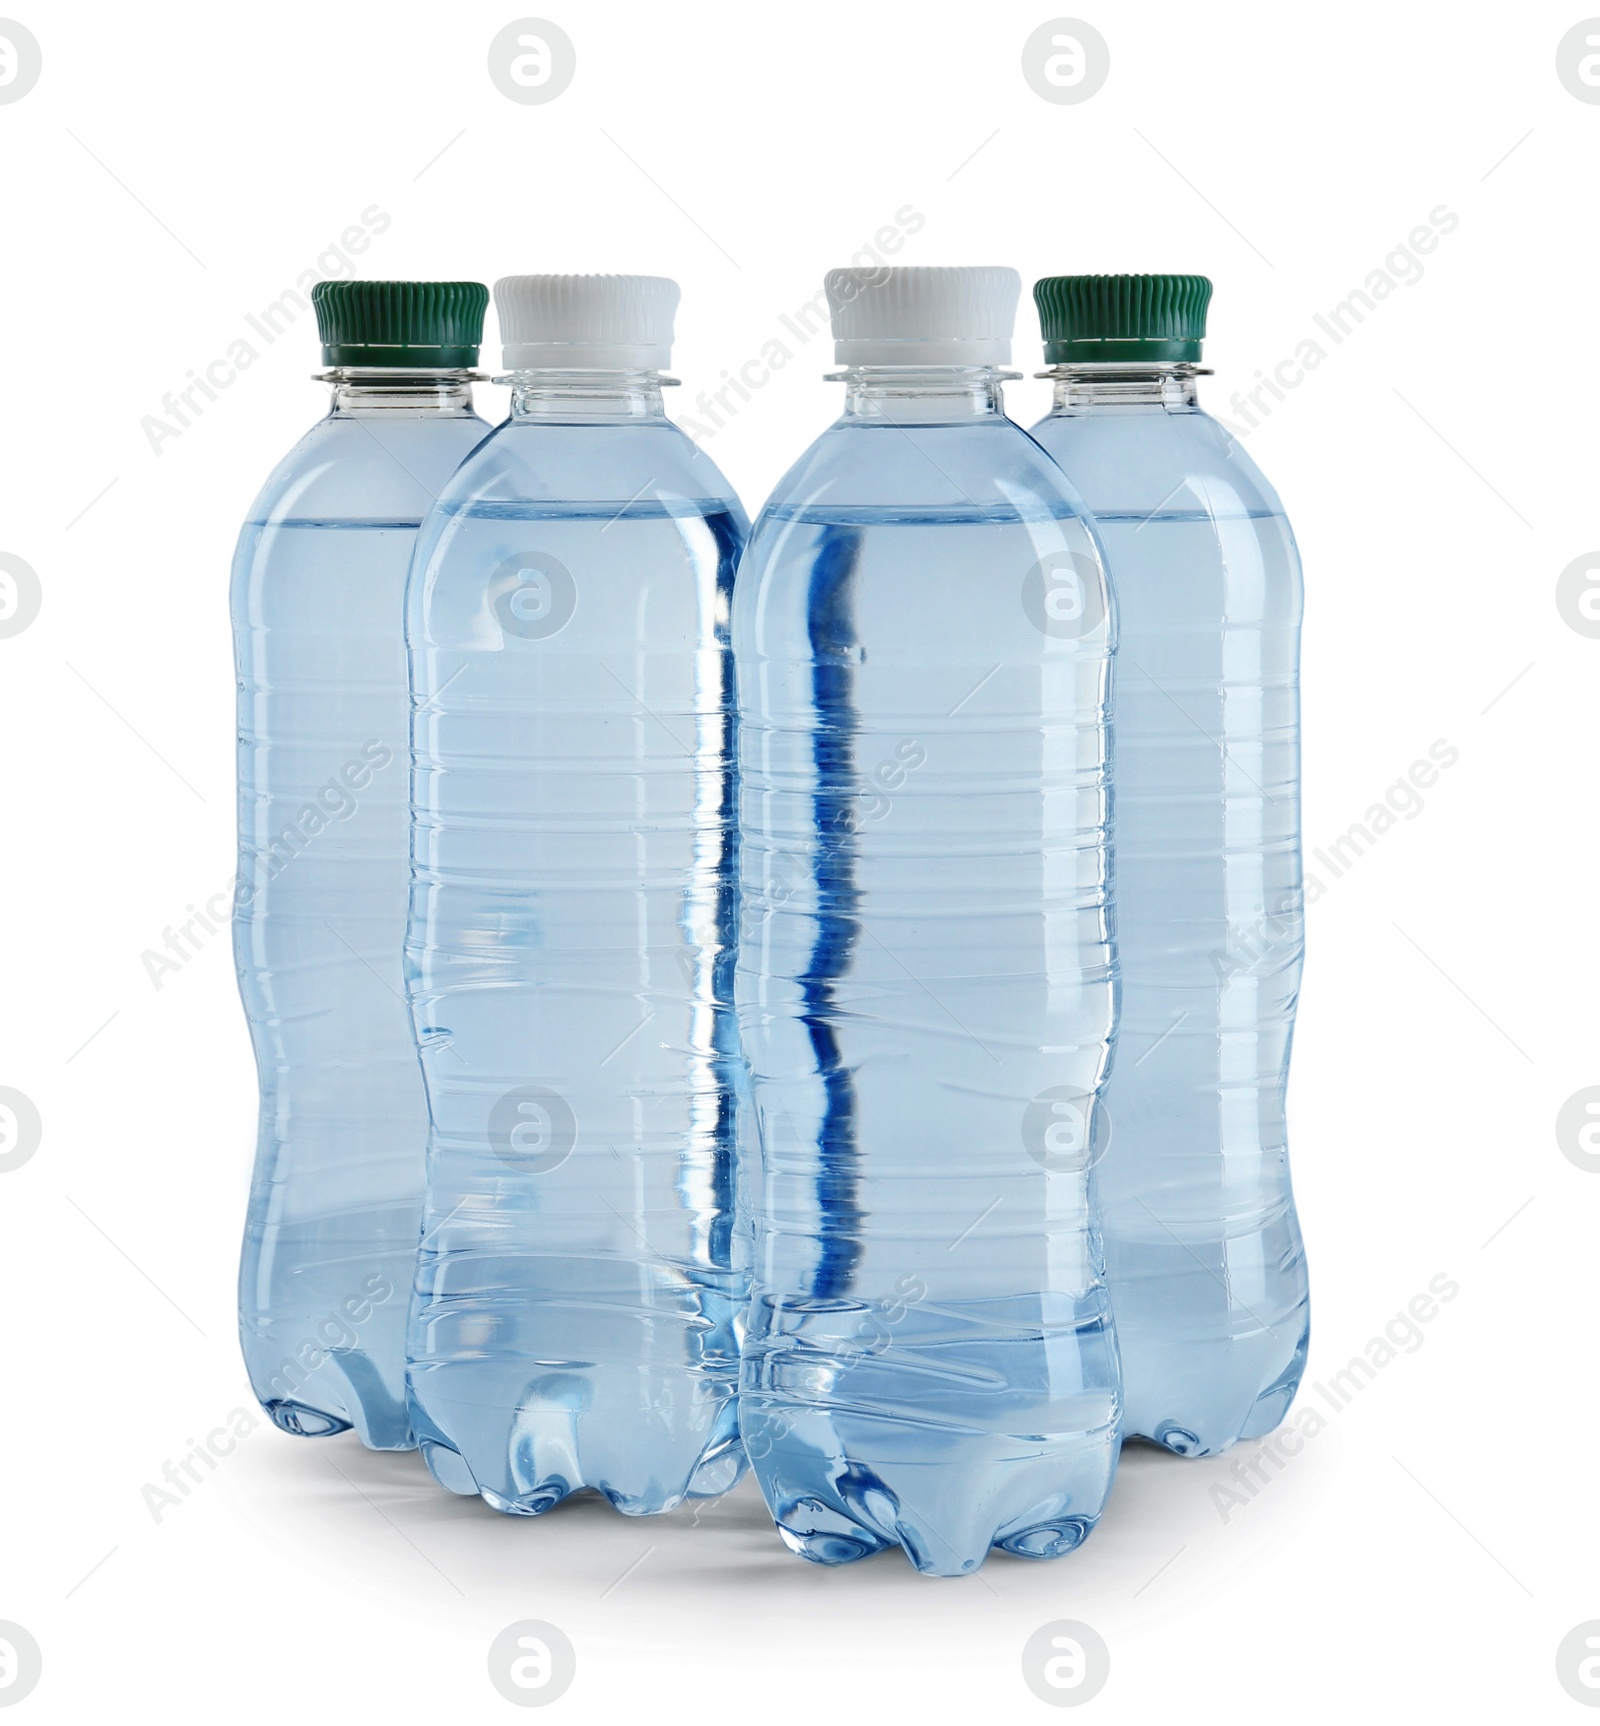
(1203,1250)
(926,982)
(320,899)
(570,954)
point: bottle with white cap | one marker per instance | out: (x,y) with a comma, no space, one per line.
(570,948)
(926,979)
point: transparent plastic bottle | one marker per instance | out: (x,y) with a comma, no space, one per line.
(926,981)
(1203,1248)
(320,899)
(570,953)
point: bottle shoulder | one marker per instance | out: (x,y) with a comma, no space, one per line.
(1144,461)
(350,468)
(984,469)
(553,466)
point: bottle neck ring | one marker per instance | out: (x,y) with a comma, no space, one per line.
(1083,387)
(570,396)
(911,395)
(387,392)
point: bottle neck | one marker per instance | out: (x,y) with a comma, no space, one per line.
(382,392)
(1091,388)
(913,395)
(586,397)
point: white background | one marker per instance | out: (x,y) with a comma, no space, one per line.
(177,168)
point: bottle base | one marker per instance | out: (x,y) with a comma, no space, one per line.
(812,1529)
(303,1421)
(512,1482)
(947,1500)
(1224,1416)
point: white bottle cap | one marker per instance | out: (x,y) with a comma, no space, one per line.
(921,316)
(586,323)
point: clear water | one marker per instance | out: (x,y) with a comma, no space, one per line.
(335,1203)
(570,970)
(1203,1247)
(926,998)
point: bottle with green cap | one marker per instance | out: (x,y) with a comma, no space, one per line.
(1202,1244)
(319,902)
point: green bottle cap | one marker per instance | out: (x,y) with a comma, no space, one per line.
(400,323)
(1159,319)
